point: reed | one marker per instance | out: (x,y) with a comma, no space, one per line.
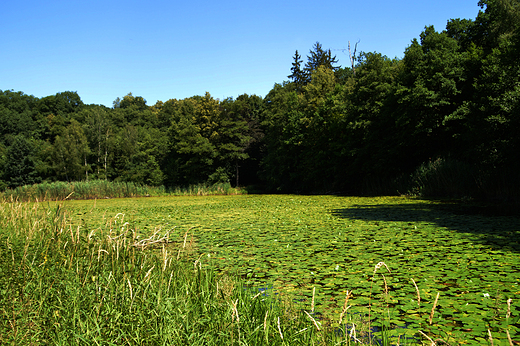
(205,190)
(444,178)
(418,293)
(433,308)
(99,189)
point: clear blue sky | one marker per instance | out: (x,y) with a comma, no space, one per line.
(160,50)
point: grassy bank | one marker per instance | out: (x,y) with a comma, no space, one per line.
(66,285)
(108,189)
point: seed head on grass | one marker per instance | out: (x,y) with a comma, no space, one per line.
(433,308)
(312,303)
(313,320)
(148,276)
(380,265)
(235,311)
(418,294)
(352,334)
(345,307)
(490,337)
(280,329)
(386,286)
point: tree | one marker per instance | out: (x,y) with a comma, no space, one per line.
(16,115)
(138,155)
(373,147)
(70,153)
(64,103)
(319,57)
(192,140)
(319,130)
(133,109)
(297,74)
(283,138)
(20,166)
(494,121)
(99,131)
(240,134)
(432,103)
(3,161)
(137,102)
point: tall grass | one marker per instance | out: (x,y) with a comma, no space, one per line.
(107,189)
(450,178)
(64,285)
(205,190)
(445,178)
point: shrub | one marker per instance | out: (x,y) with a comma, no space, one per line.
(444,178)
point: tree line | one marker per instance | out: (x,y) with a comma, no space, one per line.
(444,119)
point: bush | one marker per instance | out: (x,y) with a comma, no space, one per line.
(444,178)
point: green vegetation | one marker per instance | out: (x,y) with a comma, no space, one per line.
(63,285)
(440,122)
(331,245)
(94,189)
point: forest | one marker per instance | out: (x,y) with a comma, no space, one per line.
(443,121)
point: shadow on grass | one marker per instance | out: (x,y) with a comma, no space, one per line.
(480,222)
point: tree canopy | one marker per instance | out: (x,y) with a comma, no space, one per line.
(454,98)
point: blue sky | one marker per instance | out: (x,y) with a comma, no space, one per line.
(175,49)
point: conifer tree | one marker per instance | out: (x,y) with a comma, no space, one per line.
(319,57)
(297,75)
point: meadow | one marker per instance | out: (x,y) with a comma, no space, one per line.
(334,270)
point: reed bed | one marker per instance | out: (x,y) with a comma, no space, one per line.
(204,190)
(109,189)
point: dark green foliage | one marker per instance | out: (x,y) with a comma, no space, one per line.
(319,57)
(64,103)
(20,163)
(280,164)
(192,139)
(445,178)
(99,130)
(376,146)
(362,129)
(130,101)
(69,157)
(210,140)
(453,95)
(241,136)
(297,74)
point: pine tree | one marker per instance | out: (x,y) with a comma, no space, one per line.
(297,75)
(319,57)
